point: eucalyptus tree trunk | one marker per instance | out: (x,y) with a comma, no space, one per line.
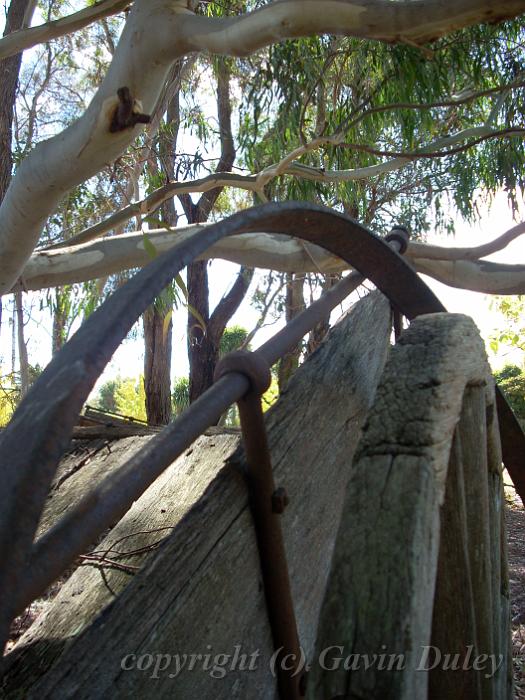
(60,320)
(58,332)
(18,15)
(12,322)
(158,330)
(294,305)
(157,365)
(203,347)
(22,347)
(202,353)
(203,342)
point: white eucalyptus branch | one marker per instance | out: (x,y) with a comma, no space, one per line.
(152,202)
(475,275)
(277,252)
(433,252)
(411,22)
(26,38)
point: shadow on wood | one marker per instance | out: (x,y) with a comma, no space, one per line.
(200,591)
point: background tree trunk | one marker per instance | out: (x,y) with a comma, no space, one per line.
(22,347)
(19,13)
(203,347)
(202,352)
(294,305)
(203,344)
(157,332)
(60,319)
(157,365)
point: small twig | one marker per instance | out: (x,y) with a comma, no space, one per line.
(511,131)
(102,561)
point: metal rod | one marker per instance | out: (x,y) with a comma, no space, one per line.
(108,501)
(40,431)
(282,342)
(272,554)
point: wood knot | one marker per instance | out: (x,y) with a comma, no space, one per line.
(125,115)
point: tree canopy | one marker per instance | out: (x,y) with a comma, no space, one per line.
(395,113)
(381,113)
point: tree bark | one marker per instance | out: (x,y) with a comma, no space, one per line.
(48,268)
(203,346)
(18,14)
(157,365)
(22,347)
(158,332)
(58,337)
(203,343)
(9,71)
(294,305)
(202,353)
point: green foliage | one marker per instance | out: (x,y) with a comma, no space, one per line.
(232,339)
(149,246)
(512,380)
(512,377)
(71,302)
(389,98)
(180,396)
(10,395)
(512,334)
(107,400)
(125,396)
(9,398)
(131,398)
(271,395)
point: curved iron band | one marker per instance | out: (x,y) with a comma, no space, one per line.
(34,441)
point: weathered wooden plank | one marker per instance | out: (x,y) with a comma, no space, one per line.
(92,587)
(512,443)
(201,592)
(496,505)
(473,432)
(380,595)
(506,669)
(454,628)
(77,473)
(110,432)
(500,581)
